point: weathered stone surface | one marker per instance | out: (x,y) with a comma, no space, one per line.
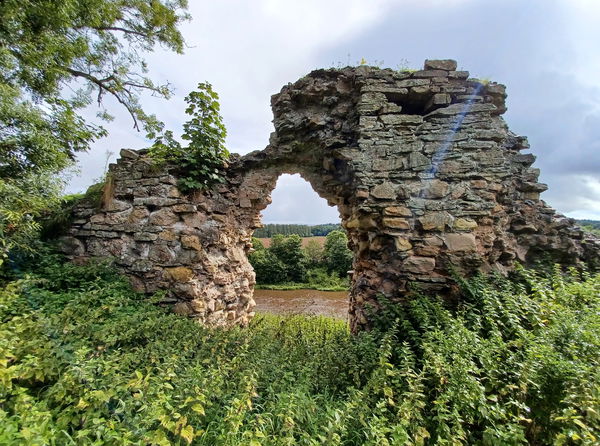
(385,191)
(179,274)
(402,244)
(395,223)
(464,224)
(163,217)
(419,265)
(399,211)
(443,64)
(423,170)
(434,189)
(460,242)
(191,242)
(436,221)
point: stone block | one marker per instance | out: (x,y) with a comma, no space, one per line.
(384,191)
(429,73)
(419,265)
(179,274)
(464,224)
(397,211)
(163,217)
(183,208)
(129,154)
(418,161)
(182,309)
(191,242)
(434,189)
(460,242)
(402,243)
(436,221)
(409,83)
(144,237)
(364,222)
(396,223)
(161,254)
(458,74)
(440,64)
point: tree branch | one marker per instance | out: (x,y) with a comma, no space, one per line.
(103,87)
(123,30)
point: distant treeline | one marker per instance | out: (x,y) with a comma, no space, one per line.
(592,226)
(593,223)
(270,230)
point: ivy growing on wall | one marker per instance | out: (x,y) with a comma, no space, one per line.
(202,160)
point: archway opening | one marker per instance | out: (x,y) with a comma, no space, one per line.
(300,255)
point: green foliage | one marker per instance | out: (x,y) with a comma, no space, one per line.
(282,262)
(202,161)
(338,258)
(320,279)
(287,265)
(22,201)
(84,360)
(268,268)
(47,49)
(316,279)
(591,226)
(324,229)
(314,254)
(257,245)
(37,139)
(92,45)
(288,250)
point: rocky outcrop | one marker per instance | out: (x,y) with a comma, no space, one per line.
(427,178)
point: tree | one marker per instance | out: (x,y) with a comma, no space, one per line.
(257,245)
(289,251)
(91,46)
(313,252)
(57,57)
(338,258)
(268,268)
(200,162)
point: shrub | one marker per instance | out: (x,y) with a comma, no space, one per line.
(85,360)
(202,161)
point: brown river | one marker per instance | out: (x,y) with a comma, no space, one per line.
(325,303)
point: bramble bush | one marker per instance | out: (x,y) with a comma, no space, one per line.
(85,360)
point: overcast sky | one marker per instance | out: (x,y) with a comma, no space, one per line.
(547,52)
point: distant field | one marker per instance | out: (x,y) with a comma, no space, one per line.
(321,239)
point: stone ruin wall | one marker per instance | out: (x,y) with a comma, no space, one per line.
(426,176)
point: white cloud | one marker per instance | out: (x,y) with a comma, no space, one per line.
(294,201)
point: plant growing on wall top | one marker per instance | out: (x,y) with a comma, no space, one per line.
(201,162)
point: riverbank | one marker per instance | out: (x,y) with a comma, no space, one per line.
(300,286)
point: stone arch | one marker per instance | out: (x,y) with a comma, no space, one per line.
(425,173)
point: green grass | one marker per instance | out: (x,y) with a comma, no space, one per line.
(84,360)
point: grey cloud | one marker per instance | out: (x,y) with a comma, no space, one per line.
(528,47)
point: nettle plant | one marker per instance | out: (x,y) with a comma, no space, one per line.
(202,161)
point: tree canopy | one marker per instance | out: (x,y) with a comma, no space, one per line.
(338,258)
(57,57)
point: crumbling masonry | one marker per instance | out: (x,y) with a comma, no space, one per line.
(425,174)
